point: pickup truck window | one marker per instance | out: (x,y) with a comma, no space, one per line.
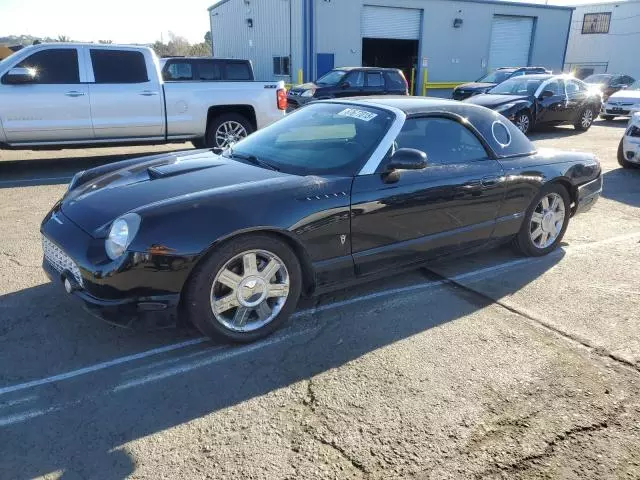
(118,66)
(179,71)
(209,70)
(54,66)
(238,71)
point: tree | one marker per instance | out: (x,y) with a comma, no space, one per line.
(207,38)
(63,38)
(106,42)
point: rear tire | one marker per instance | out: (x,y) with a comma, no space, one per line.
(624,163)
(585,119)
(234,298)
(547,221)
(227,129)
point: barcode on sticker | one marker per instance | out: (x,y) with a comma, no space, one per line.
(359,114)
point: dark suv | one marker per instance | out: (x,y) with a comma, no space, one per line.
(205,69)
(490,80)
(349,82)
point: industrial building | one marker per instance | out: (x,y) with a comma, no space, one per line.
(604,38)
(439,42)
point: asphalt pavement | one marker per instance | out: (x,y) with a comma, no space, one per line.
(490,366)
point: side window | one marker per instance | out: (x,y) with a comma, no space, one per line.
(444,141)
(574,87)
(518,74)
(209,71)
(356,79)
(179,71)
(54,66)
(627,80)
(118,66)
(395,81)
(374,79)
(554,87)
(237,71)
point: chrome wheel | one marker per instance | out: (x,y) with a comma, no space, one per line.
(547,220)
(229,132)
(523,123)
(587,118)
(250,290)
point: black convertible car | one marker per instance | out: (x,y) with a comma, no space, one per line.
(533,100)
(335,193)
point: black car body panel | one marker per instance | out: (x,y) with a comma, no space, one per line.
(559,108)
(467,90)
(343,228)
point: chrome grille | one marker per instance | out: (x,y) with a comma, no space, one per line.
(59,260)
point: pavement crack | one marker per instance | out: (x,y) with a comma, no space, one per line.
(486,299)
(13,260)
(355,463)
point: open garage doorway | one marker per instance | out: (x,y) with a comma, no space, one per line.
(392,53)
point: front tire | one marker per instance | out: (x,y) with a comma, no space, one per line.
(227,129)
(545,222)
(585,119)
(523,121)
(245,289)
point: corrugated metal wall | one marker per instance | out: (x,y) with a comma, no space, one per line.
(269,36)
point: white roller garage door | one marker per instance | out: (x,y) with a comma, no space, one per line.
(391,22)
(510,41)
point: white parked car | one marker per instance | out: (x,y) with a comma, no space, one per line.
(64,94)
(629,148)
(623,103)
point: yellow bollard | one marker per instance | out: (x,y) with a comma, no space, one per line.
(424,82)
(299,76)
(413,80)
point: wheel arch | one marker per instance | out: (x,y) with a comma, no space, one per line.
(572,190)
(246,111)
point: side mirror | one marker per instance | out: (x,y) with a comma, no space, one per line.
(345,85)
(407,159)
(19,75)
(546,94)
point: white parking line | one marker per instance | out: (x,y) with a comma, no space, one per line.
(26,181)
(322,308)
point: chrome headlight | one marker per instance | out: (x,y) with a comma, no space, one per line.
(74,180)
(308,93)
(123,231)
(502,108)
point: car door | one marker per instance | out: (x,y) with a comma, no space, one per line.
(52,108)
(450,205)
(352,85)
(125,102)
(576,98)
(552,109)
(373,83)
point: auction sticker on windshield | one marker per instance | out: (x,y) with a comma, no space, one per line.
(359,114)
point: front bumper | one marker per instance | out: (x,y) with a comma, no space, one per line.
(140,290)
(588,195)
(620,111)
(631,149)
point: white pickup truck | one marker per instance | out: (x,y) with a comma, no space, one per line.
(90,94)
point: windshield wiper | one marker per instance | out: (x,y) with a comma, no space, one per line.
(251,159)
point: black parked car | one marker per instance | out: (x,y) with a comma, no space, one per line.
(188,69)
(349,82)
(490,80)
(335,193)
(534,100)
(609,83)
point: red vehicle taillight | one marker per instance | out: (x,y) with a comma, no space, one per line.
(282,99)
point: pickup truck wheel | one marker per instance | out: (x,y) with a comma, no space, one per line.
(226,130)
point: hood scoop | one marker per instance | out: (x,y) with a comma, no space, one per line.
(179,168)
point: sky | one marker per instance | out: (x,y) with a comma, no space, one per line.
(122,21)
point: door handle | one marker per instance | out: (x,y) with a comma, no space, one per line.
(148,93)
(490,181)
(74,93)
(472,185)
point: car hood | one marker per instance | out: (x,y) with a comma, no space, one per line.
(161,179)
(491,101)
(476,86)
(625,96)
(303,87)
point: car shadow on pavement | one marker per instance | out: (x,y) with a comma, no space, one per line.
(622,185)
(81,427)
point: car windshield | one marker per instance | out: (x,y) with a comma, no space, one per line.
(598,78)
(331,78)
(497,76)
(518,86)
(319,139)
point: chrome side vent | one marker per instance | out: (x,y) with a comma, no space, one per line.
(326,196)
